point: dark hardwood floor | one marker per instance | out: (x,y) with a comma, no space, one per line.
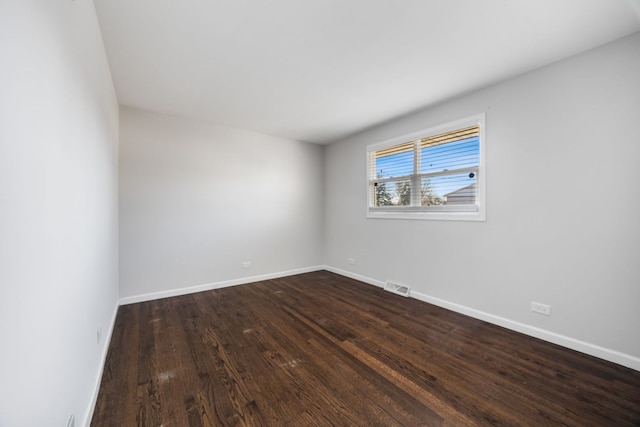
(322,349)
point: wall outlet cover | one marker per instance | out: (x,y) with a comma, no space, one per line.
(545,309)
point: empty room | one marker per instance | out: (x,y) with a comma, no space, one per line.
(319,213)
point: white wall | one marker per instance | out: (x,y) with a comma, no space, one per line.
(563,204)
(196,200)
(58,210)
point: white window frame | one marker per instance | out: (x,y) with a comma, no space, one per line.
(432,212)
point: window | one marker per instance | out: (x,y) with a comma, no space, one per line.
(437,173)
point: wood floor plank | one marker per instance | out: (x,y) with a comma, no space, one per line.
(320,349)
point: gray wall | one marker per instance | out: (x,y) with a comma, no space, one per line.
(562,208)
(58,211)
(196,200)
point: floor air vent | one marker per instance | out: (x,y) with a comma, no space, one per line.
(397,289)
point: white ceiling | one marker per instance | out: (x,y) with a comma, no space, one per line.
(319,70)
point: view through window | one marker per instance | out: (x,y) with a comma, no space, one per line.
(433,171)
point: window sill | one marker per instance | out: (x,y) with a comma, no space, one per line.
(440,215)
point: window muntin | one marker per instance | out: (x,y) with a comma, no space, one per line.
(429,174)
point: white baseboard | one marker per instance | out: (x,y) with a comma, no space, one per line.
(215,285)
(105,349)
(562,340)
(365,279)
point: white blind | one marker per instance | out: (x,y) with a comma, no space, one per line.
(439,170)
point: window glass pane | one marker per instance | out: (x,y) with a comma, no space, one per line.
(395,161)
(459,154)
(392,193)
(453,189)
(430,174)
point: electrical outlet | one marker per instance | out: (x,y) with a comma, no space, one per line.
(541,308)
(99,334)
(246,264)
(351,261)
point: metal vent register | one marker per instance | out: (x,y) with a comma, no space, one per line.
(397,288)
